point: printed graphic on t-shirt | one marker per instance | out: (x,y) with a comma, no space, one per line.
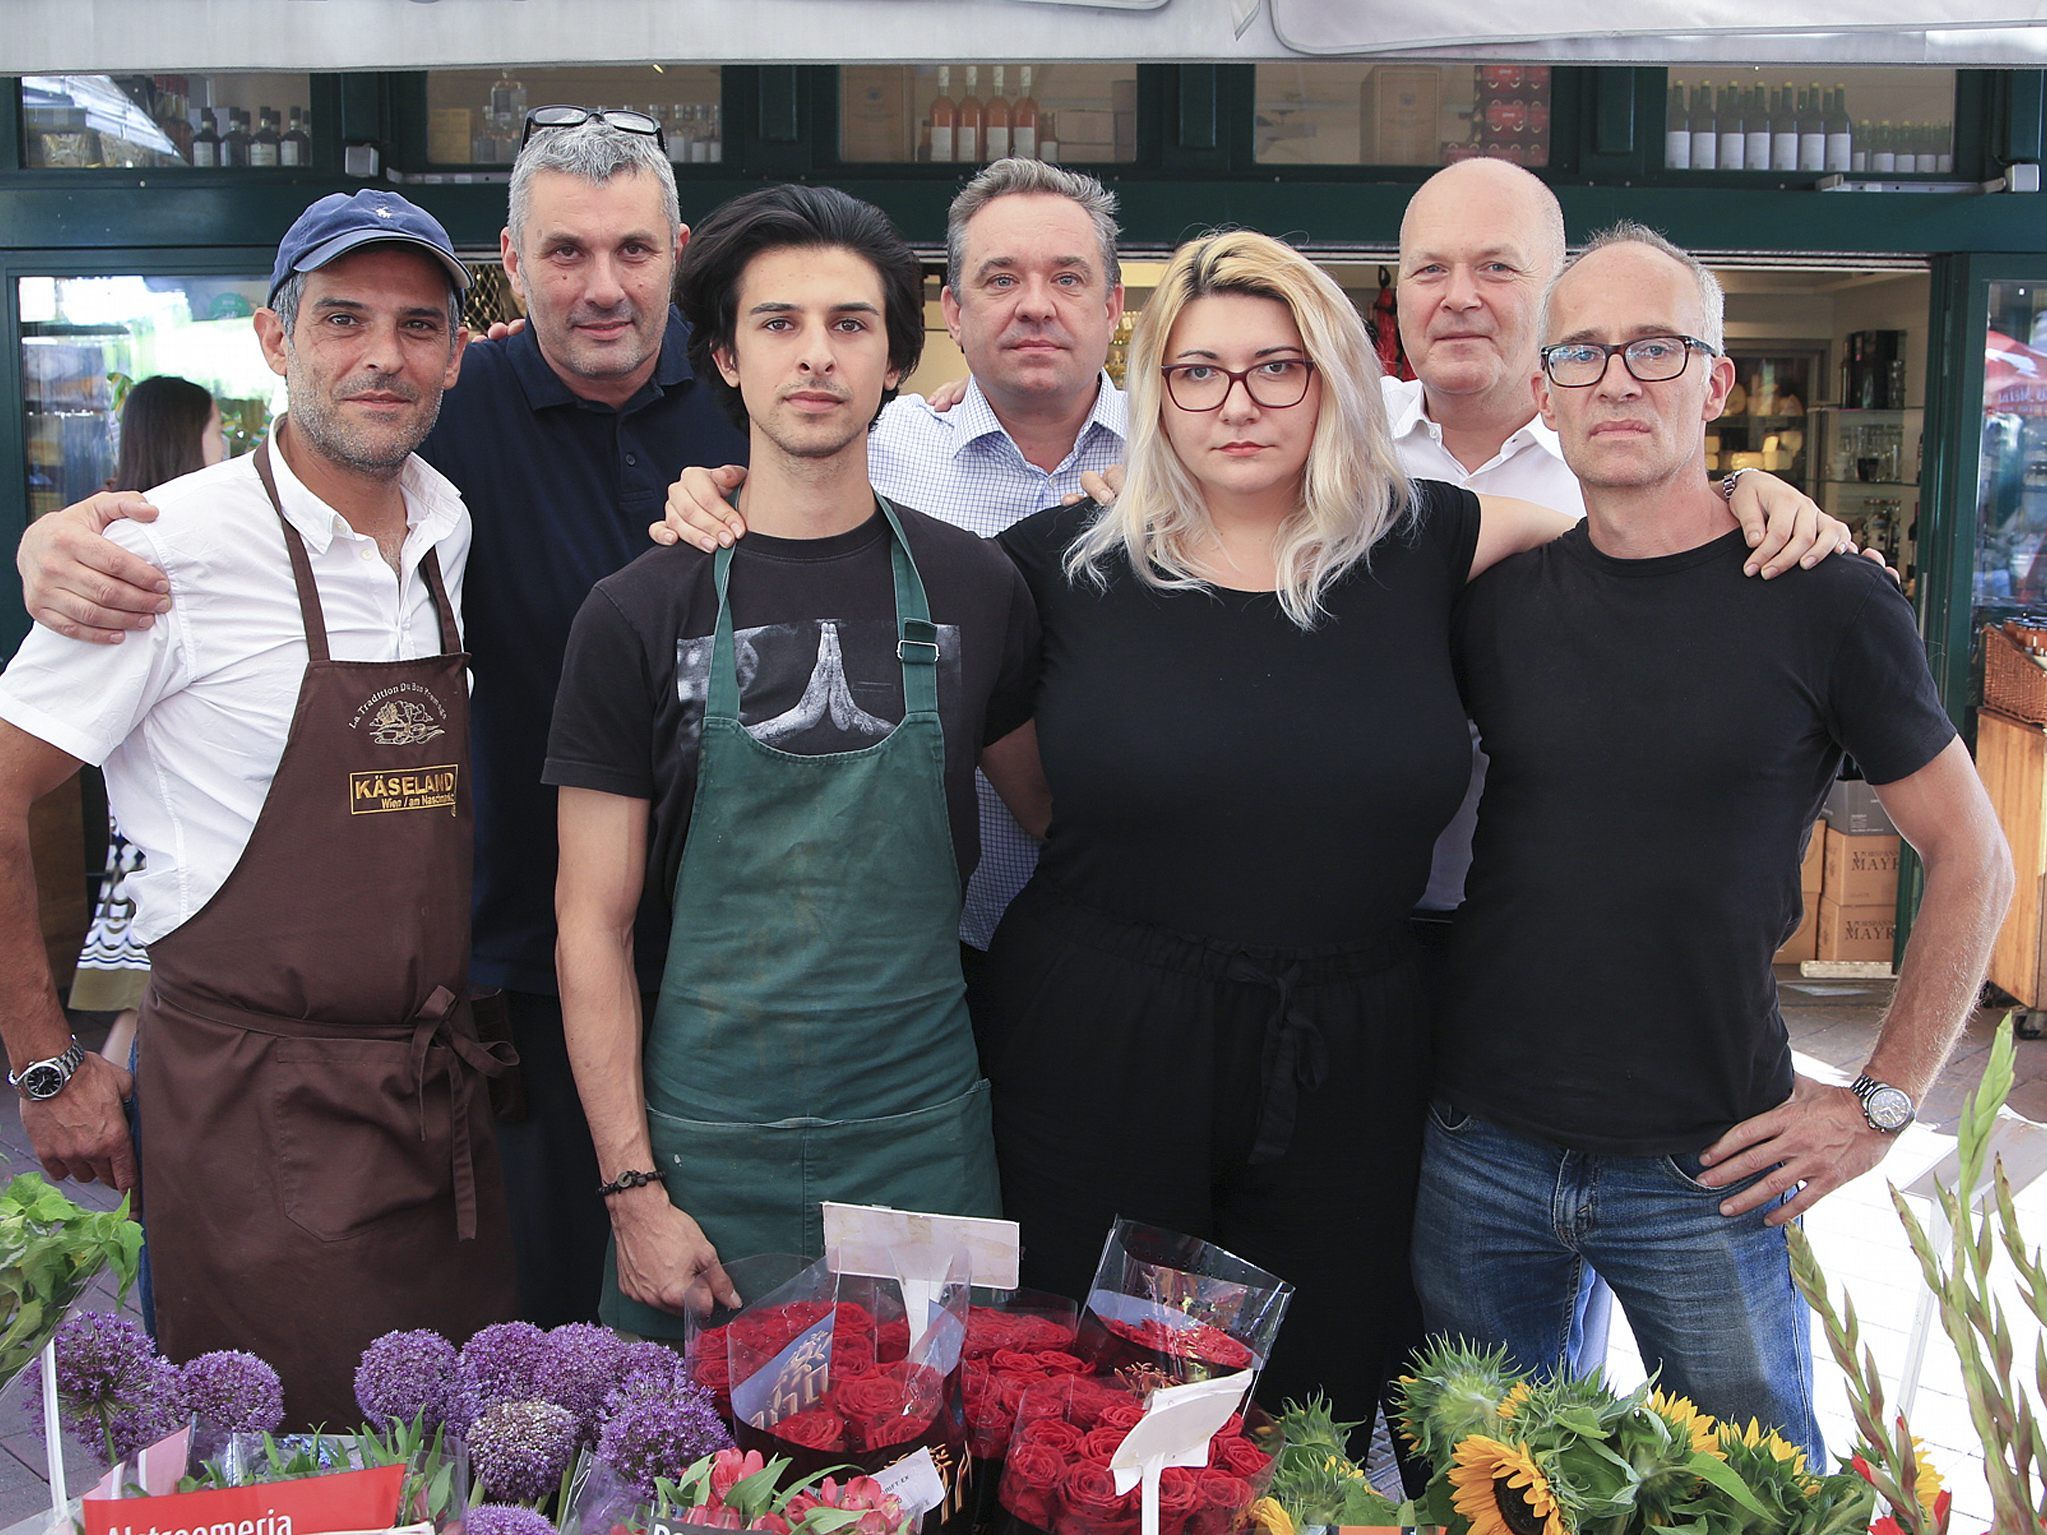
(826,685)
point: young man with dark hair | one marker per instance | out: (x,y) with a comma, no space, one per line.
(783,737)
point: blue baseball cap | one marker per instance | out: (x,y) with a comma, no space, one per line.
(339,223)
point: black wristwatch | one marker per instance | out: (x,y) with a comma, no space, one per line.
(40,1080)
(1887,1108)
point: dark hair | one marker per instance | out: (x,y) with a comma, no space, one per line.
(776,218)
(162,422)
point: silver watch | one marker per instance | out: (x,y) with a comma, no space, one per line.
(40,1080)
(1887,1108)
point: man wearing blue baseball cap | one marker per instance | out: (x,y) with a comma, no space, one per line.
(289,746)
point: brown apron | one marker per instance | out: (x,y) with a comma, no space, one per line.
(321,1167)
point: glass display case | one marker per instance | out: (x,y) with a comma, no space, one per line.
(1401,114)
(152,122)
(478,116)
(2011,479)
(1868,464)
(971,113)
(1766,423)
(86,339)
(1860,122)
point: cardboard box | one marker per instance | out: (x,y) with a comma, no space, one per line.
(1399,111)
(1805,943)
(1857,932)
(1852,806)
(1861,871)
(1811,872)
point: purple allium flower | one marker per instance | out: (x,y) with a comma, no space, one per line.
(648,1370)
(404,1375)
(519,1450)
(231,1393)
(661,1436)
(157,1408)
(106,1368)
(505,1519)
(582,1366)
(502,1363)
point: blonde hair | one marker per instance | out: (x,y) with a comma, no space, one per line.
(1353,490)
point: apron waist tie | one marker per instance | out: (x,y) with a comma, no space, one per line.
(430,1028)
(1295,1056)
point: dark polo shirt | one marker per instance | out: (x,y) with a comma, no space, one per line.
(562,490)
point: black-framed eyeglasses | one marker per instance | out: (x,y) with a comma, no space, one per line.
(541,118)
(1651,359)
(1275,384)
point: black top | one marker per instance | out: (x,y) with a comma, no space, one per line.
(1217,771)
(1662,732)
(815,634)
(562,490)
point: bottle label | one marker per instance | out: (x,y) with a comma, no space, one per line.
(1733,153)
(289,153)
(1906,163)
(969,145)
(1839,151)
(1023,141)
(941,143)
(1883,160)
(998,143)
(1783,151)
(1677,149)
(1812,152)
(1758,150)
(205,154)
(263,155)
(1705,151)
(1859,161)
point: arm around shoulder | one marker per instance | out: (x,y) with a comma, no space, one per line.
(1507,526)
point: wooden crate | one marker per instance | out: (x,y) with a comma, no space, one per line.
(2011,756)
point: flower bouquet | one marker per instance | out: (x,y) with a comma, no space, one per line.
(1057,1477)
(1015,1339)
(731,1490)
(1173,1307)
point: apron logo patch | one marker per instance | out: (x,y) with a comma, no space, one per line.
(427,788)
(404,714)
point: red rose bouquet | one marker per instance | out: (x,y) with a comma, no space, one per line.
(1167,1307)
(1057,1478)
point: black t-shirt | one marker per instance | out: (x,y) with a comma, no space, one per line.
(1216,770)
(1662,732)
(562,490)
(815,633)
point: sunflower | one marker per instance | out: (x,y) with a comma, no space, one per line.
(1501,1490)
(1514,1400)
(1267,1517)
(1927,1487)
(1683,1414)
(1756,1437)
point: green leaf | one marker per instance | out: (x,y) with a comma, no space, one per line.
(1711,1468)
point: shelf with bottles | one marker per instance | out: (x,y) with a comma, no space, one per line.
(972,113)
(1861,122)
(1865,451)
(477,117)
(166,122)
(1400,113)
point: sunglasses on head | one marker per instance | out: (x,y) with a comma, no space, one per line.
(542,118)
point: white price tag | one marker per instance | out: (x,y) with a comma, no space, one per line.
(914,1481)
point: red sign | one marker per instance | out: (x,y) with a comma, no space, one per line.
(348,1500)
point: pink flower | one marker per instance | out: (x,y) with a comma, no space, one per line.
(731,1467)
(774,1524)
(719,1518)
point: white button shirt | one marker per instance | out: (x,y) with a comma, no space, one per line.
(1529,467)
(189,717)
(964,468)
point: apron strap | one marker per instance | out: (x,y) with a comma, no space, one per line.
(430,567)
(916,635)
(301,566)
(430,1027)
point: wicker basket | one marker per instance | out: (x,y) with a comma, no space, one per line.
(2012,683)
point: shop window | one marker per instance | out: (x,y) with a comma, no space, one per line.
(1860,122)
(153,122)
(969,114)
(1401,114)
(477,116)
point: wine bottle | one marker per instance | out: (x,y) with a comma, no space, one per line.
(1757,116)
(297,145)
(1840,132)
(1705,139)
(1677,130)
(1733,131)
(973,118)
(1023,120)
(995,135)
(1883,149)
(1812,133)
(945,117)
(234,147)
(205,141)
(267,142)
(1784,132)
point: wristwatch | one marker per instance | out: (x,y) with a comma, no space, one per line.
(1887,1108)
(39,1080)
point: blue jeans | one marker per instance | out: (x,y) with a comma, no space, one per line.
(1504,1227)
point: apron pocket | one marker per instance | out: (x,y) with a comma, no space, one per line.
(346,1117)
(940,1159)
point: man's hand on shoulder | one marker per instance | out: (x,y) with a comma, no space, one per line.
(82,1133)
(698,512)
(79,582)
(947,395)
(1819,1137)
(503,330)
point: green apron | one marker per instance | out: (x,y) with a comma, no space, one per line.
(811,1040)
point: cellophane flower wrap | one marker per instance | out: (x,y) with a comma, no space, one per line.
(1056,1477)
(1164,1306)
(1015,1338)
(823,1370)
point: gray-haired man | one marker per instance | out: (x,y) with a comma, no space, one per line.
(561,441)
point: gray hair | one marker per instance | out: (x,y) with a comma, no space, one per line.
(1017,176)
(594,152)
(1712,297)
(286,307)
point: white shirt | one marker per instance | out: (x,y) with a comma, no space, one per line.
(964,468)
(189,717)
(1530,467)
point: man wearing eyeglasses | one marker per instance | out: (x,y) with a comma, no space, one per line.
(562,440)
(1615,1083)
